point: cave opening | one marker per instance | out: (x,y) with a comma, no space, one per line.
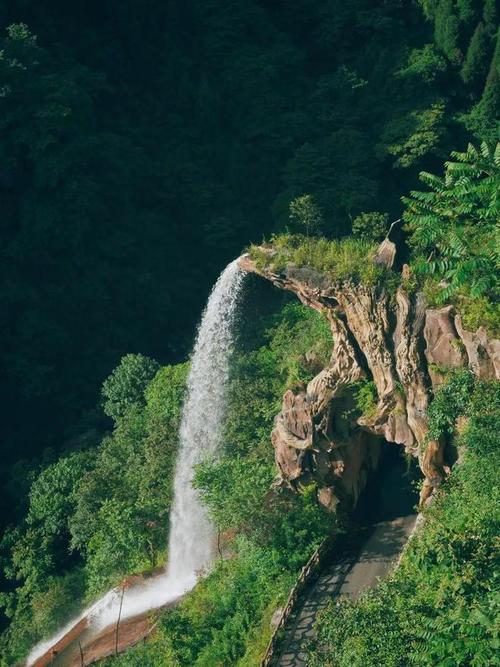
(391,488)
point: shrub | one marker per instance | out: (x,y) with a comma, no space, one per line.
(126,385)
(454,226)
(450,401)
(366,397)
(306,214)
(371,227)
(479,312)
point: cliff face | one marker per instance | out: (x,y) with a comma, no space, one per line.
(393,340)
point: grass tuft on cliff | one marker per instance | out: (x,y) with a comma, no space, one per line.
(342,260)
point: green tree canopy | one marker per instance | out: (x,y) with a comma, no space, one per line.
(126,385)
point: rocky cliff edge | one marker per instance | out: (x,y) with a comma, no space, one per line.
(391,339)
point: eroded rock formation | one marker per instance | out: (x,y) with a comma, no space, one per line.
(393,340)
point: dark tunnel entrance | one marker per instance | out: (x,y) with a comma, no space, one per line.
(391,490)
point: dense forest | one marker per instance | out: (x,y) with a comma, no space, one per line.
(145,145)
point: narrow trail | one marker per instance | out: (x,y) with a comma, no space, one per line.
(348,576)
(386,517)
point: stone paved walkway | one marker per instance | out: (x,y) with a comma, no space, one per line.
(347,576)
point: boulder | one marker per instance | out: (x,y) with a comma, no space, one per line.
(386,253)
(444,348)
(328,499)
(483,353)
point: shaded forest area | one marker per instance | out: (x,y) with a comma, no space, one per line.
(142,144)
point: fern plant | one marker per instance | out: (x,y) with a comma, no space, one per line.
(454,230)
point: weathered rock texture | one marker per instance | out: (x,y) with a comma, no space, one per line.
(397,342)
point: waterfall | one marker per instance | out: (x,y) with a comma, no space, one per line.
(192,537)
(191,534)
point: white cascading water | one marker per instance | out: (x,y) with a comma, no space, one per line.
(191,542)
(192,537)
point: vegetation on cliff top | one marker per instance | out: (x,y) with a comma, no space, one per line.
(453,233)
(339,259)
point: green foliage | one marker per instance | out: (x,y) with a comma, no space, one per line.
(156,652)
(305,214)
(95,515)
(446,30)
(366,397)
(441,605)
(261,375)
(425,64)
(300,341)
(35,557)
(475,64)
(454,226)
(341,260)
(483,412)
(126,385)
(241,509)
(120,521)
(483,119)
(422,134)
(42,549)
(371,227)
(465,34)
(124,540)
(60,600)
(164,397)
(39,613)
(237,494)
(480,312)
(364,635)
(450,401)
